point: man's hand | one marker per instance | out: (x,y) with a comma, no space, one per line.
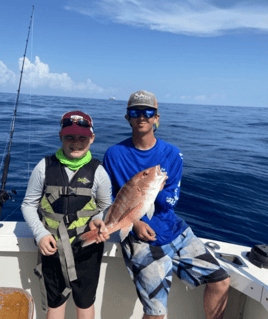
(144,231)
(48,245)
(103,235)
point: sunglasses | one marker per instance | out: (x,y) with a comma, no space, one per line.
(148,113)
(69,122)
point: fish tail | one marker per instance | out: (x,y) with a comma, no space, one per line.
(89,237)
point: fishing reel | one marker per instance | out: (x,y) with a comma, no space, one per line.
(4,195)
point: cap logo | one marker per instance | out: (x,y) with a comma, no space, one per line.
(77,117)
(141,96)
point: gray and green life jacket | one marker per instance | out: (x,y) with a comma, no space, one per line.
(66,209)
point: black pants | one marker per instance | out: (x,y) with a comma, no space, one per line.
(87,265)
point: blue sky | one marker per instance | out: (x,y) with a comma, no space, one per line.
(194,52)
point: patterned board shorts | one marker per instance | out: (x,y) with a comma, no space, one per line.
(150,267)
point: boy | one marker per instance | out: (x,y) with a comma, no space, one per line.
(66,196)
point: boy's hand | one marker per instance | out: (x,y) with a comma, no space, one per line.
(48,245)
(103,234)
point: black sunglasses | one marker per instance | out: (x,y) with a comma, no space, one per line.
(69,122)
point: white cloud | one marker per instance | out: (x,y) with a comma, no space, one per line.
(185,97)
(190,17)
(201,97)
(38,75)
(6,75)
(204,98)
(218,96)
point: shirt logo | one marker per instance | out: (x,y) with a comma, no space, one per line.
(173,201)
(83,180)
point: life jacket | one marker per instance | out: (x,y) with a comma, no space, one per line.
(66,209)
(71,201)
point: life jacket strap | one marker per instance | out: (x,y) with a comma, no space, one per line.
(68,219)
(87,213)
(57,191)
(38,272)
(53,231)
(54,216)
(64,270)
(67,252)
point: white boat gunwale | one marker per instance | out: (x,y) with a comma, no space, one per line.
(16,239)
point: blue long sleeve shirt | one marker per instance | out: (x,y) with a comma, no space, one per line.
(122,161)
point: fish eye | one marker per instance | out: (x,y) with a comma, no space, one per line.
(145,174)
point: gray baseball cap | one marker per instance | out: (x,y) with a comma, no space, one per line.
(142,98)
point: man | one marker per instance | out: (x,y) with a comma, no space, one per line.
(165,242)
(68,191)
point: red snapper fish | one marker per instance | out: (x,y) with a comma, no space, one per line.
(134,200)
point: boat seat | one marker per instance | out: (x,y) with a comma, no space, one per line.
(16,303)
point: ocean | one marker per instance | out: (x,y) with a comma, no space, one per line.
(224,190)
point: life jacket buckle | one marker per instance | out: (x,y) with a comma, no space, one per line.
(67,191)
(72,191)
(68,219)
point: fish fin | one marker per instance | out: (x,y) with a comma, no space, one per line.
(124,232)
(151,211)
(139,192)
(89,237)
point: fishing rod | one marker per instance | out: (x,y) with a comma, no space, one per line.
(4,195)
